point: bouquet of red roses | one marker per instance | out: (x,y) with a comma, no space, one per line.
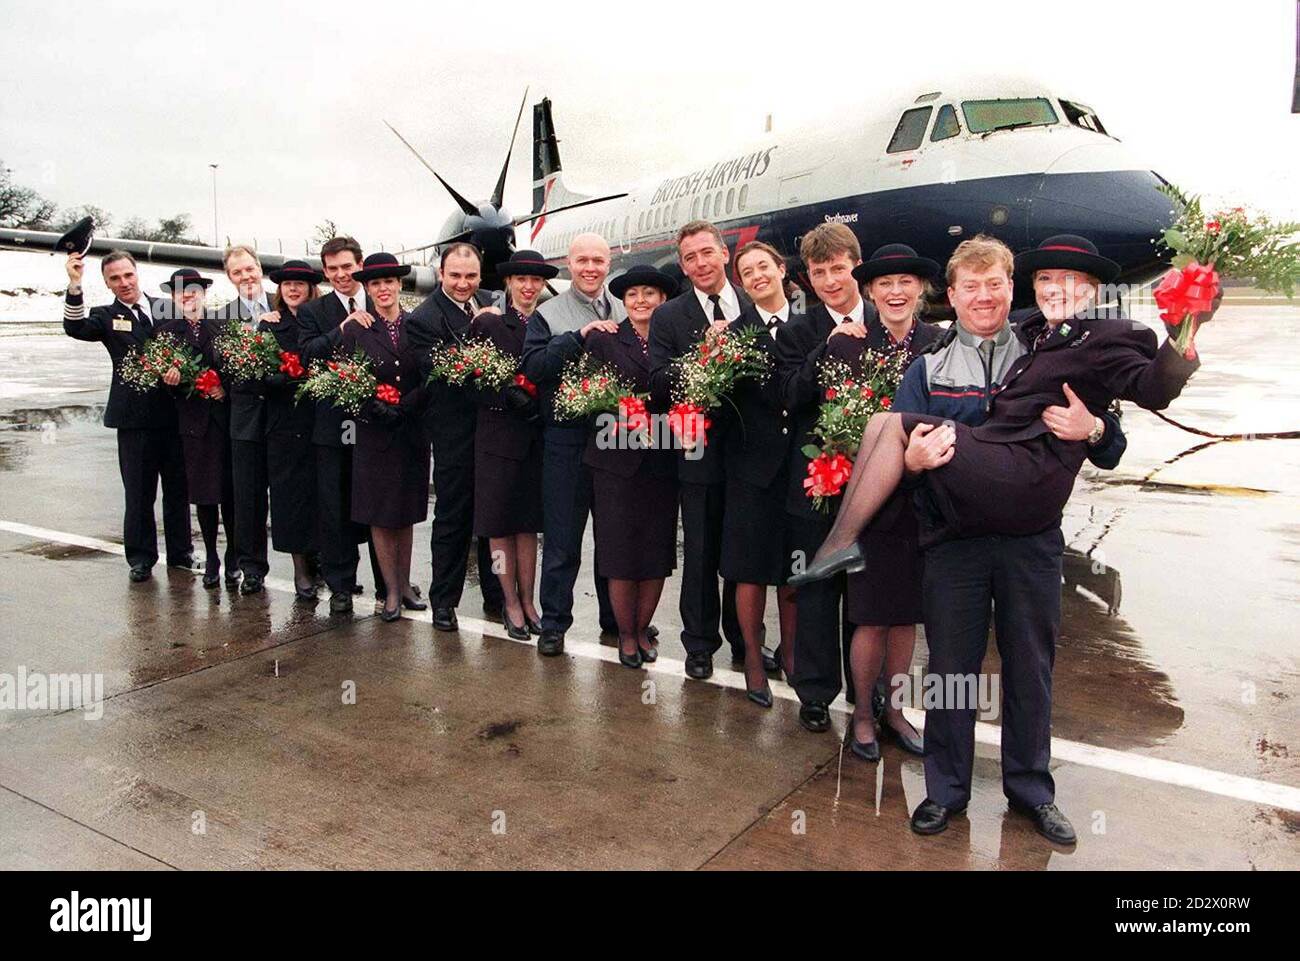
(247,354)
(703,378)
(848,402)
(143,370)
(1227,243)
(478,362)
(345,382)
(588,387)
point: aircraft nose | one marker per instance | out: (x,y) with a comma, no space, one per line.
(1088,191)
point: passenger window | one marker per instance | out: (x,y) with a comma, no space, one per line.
(945,125)
(743,198)
(910,130)
(731,198)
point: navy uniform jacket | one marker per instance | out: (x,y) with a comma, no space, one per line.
(247,405)
(196,415)
(677,327)
(121,332)
(450,412)
(284,415)
(398,368)
(762,432)
(501,430)
(622,352)
(800,347)
(319,337)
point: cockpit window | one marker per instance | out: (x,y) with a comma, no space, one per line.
(910,130)
(946,124)
(984,116)
(1082,116)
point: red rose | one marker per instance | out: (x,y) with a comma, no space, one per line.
(831,393)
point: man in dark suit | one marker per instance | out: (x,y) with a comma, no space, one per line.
(449,422)
(711,304)
(148,444)
(323,322)
(829,252)
(248,425)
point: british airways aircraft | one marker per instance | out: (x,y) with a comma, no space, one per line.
(1003,157)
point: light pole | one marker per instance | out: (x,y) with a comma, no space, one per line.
(216,234)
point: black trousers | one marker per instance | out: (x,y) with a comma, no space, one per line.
(566,503)
(1016,583)
(252,486)
(144,457)
(702,610)
(453,525)
(820,627)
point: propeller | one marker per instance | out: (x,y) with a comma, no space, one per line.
(489,226)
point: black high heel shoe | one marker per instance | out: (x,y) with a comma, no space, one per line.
(534,627)
(305,593)
(414,604)
(866,750)
(516,632)
(648,654)
(909,743)
(388,616)
(212,576)
(629,660)
(849,559)
(763,696)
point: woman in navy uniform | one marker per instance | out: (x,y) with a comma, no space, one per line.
(634,506)
(390,483)
(290,460)
(755,542)
(883,601)
(1011,475)
(508,450)
(204,424)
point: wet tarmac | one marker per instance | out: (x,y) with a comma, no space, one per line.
(260,732)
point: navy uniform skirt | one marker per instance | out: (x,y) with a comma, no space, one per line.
(888,590)
(207,466)
(634,522)
(755,541)
(507,490)
(390,475)
(291,468)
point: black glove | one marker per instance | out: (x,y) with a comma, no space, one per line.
(520,403)
(275,381)
(377,412)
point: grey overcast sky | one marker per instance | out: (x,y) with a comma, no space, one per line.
(125,104)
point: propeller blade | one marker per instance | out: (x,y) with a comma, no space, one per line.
(464,204)
(499,193)
(454,238)
(556,210)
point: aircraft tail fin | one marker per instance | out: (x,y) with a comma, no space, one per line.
(549,191)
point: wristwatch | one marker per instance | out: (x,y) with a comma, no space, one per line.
(1098,431)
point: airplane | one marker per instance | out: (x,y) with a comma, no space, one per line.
(1001,157)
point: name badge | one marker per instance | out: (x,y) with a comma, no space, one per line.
(122,323)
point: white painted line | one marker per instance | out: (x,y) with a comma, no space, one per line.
(1074,752)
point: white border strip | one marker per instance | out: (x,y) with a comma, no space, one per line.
(1075,752)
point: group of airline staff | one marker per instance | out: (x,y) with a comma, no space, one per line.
(505,467)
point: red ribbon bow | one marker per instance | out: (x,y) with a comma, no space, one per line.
(526,384)
(827,475)
(1185,292)
(388,394)
(290,364)
(689,425)
(207,382)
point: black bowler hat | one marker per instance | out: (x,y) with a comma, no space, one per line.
(296,270)
(379,265)
(186,277)
(1067,252)
(77,239)
(896,259)
(642,275)
(527,263)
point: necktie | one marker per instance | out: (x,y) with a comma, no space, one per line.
(140,314)
(393,328)
(601,308)
(716,300)
(986,348)
(469,310)
(352,306)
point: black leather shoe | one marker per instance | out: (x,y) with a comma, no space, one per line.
(358,589)
(1048,821)
(252,585)
(699,666)
(307,594)
(630,660)
(762,697)
(182,564)
(867,750)
(444,619)
(139,573)
(815,716)
(534,627)
(515,632)
(340,603)
(931,817)
(652,632)
(849,559)
(388,616)
(414,604)
(910,744)
(232,579)
(211,578)
(550,644)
